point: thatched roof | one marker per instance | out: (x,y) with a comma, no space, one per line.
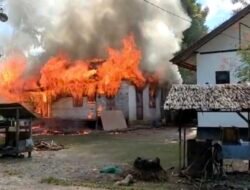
(209,98)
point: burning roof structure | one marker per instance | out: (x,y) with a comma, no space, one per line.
(226,97)
(86,51)
(62,76)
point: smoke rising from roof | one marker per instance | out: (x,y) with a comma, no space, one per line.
(85,29)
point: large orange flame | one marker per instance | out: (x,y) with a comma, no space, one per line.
(62,76)
(11,71)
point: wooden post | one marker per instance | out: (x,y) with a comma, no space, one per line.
(96,112)
(248,125)
(184,148)
(248,136)
(7,134)
(30,135)
(17,128)
(180,113)
(180,151)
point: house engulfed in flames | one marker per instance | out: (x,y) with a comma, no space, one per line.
(82,89)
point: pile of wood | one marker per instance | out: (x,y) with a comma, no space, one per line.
(48,146)
(228,97)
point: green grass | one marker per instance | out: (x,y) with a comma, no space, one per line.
(120,149)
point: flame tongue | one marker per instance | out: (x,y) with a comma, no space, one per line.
(120,65)
(11,71)
(61,76)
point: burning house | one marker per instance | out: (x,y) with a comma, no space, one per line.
(68,63)
(83,89)
(135,105)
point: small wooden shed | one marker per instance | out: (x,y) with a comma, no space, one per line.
(215,98)
(16,125)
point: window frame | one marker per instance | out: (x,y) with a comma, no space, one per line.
(226,73)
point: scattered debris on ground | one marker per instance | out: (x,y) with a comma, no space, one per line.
(128,180)
(48,146)
(111,170)
(80,163)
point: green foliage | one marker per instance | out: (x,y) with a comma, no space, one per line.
(198,27)
(243,71)
(194,33)
(188,77)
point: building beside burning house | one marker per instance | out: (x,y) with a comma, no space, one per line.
(215,59)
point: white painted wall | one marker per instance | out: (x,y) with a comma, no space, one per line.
(208,64)
(150,114)
(132,103)
(64,109)
(125,101)
(122,99)
(229,39)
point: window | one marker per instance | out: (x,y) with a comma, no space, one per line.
(139,104)
(152,96)
(77,101)
(222,77)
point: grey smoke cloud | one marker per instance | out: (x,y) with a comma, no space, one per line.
(85,29)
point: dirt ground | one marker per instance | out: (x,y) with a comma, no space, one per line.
(78,166)
(85,155)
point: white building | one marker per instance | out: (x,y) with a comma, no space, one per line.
(136,105)
(215,59)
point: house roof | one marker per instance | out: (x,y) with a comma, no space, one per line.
(180,58)
(229,97)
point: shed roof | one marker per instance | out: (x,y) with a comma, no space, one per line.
(228,98)
(180,58)
(8,110)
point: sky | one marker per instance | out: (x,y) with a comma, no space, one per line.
(219,11)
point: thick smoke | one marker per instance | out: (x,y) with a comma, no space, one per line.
(85,29)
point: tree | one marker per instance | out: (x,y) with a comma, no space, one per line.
(243,71)
(198,27)
(195,32)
